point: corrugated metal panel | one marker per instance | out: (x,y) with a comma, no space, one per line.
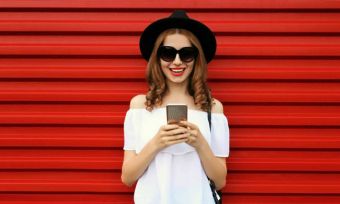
(69,68)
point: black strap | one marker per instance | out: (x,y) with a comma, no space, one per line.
(209,119)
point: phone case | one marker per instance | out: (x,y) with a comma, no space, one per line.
(176,113)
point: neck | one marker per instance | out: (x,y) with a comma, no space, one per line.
(178,89)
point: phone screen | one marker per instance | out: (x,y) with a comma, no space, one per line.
(176,113)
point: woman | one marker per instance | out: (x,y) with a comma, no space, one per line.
(172,162)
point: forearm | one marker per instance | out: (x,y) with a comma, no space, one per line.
(215,169)
(136,166)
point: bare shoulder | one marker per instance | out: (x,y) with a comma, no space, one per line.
(138,101)
(217,106)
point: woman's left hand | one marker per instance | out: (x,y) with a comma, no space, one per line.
(195,138)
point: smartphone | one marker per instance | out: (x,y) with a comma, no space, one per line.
(176,113)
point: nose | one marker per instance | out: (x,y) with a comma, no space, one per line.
(177,60)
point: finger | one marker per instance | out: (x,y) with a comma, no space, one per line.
(194,133)
(188,124)
(191,140)
(177,141)
(177,131)
(192,137)
(177,137)
(169,127)
(191,132)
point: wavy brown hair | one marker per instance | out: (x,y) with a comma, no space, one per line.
(197,86)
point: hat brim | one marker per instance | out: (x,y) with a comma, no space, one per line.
(202,32)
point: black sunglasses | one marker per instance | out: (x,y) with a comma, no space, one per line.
(168,53)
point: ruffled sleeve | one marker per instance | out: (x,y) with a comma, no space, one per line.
(130,135)
(219,135)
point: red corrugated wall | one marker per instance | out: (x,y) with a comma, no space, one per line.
(69,68)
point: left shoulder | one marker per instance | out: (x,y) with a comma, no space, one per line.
(217,106)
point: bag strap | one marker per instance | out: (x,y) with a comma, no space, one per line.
(209,119)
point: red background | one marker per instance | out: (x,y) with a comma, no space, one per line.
(69,68)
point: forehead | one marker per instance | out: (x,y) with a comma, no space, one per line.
(177,41)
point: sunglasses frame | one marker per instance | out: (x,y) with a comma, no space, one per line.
(180,52)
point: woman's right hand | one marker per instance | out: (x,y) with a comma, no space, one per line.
(170,134)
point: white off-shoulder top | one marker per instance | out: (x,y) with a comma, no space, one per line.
(175,175)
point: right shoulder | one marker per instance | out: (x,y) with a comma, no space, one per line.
(138,101)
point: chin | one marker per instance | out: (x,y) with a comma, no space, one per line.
(178,81)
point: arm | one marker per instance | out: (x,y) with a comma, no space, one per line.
(134,165)
(215,167)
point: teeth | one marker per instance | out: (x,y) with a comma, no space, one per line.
(177,70)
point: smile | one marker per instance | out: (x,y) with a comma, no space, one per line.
(177,70)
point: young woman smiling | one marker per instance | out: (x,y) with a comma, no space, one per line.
(173,163)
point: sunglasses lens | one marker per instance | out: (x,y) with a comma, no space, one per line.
(187,54)
(167,53)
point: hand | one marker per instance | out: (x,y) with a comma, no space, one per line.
(195,138)
(169,135)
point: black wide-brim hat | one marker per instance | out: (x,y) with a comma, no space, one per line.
(178,19)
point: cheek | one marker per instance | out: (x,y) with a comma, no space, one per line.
(164,65)
(191,66)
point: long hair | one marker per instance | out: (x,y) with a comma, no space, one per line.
(197,86)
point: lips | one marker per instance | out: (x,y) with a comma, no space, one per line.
(177,71)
